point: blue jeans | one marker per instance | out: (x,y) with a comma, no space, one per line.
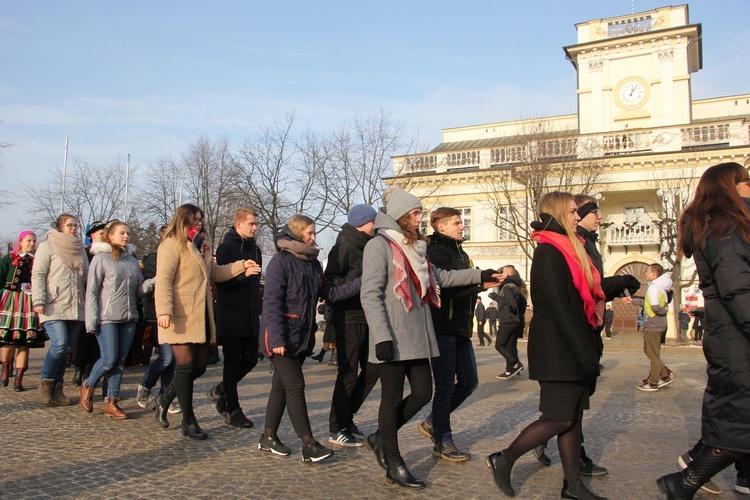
(114,340)
(456,377)
(162,367)
(60,333)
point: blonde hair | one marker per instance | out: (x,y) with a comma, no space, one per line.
(298,223)
(557,204)
(243,213)
(181,221)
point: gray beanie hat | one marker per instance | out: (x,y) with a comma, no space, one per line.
(399,203)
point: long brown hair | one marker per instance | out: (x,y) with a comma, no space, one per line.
(557,204)
(181,221)
(107,238)
(716,208)
(410,235)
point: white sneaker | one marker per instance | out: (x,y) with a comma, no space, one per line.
(143,395)
(174,407)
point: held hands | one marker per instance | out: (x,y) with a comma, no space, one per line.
(632,284)
(384,351)
(627,300)
(39,309)
(251,267)
(164,321)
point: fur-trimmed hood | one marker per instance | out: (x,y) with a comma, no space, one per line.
(98,247)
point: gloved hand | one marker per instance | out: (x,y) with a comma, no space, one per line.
(590,368)
(384,351)
(487,275)
(632,284)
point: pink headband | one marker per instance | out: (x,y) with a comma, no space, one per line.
(21,236)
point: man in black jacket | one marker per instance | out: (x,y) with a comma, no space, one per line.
(511,307)
(455,370)
(237,308)
(356,377)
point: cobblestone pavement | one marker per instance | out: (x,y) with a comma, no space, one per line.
(64,452)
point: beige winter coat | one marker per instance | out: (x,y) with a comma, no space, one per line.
(183,291)
(56,287)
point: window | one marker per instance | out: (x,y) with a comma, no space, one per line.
(424,225)
(635,215)
(466,218)
(504,225)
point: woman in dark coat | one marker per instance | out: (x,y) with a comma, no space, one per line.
(562,350)
(294,284)
(715,230)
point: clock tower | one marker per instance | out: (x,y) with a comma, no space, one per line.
(634,71)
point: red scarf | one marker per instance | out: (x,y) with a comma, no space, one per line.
(593,298)
(401,284)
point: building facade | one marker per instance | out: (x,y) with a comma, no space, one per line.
(639,143)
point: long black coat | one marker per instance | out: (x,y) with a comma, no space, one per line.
(456,313)
(238,303)
(560,337)
(724,271)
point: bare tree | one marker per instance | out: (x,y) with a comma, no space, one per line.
(92,192)
(539,161)
(161,192)
(209,174)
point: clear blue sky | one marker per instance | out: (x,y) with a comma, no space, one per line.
(149,78)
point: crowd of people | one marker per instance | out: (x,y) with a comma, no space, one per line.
(401,307)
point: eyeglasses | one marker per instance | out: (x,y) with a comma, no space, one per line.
(72,226)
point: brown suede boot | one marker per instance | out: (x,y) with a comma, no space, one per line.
(87,397)
(44,391)
(113,409)
(58,396)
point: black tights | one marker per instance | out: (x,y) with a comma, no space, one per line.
(568,434)
(190,361)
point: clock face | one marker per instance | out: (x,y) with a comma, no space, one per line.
(631,93)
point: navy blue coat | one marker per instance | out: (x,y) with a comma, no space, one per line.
(292,290)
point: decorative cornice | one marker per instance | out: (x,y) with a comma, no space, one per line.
(596,65)
(666,54)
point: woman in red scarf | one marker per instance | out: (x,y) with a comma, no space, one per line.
(563,356)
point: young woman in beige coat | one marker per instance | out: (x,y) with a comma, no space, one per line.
(184,310)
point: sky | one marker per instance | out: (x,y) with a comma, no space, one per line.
(149,78)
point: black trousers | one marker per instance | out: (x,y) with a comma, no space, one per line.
(395,409)
(288,392)
(482,335)
(240,357)
(355,378)
(506,343)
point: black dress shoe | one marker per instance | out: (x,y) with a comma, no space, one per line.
(375,445)
(578,491)
(399,474)
(589,468)
(161,413)
(191,429)
(501,470)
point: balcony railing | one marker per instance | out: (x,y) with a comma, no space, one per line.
(633,234)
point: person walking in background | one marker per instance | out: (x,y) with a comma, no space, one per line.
(355,376)
(238,305)
(20,328)
(655,307)
(491,315)
(184,309)
(479,315)
(698,325)
(399,284)
(58,284)
(160,369)
(455,369)
(511,307)
(714,229)
(609,318)
(563,346)
(293,286)
(683,318)
(114,282)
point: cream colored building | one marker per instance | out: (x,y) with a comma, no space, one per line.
(639,142)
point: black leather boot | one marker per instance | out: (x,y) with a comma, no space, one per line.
(77,377)
(399,474)
(191,429)
(578,491)
(162,406)
(319,357)
(5,374)
(375,445)
(501,470)
(705,465)
(18,383)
